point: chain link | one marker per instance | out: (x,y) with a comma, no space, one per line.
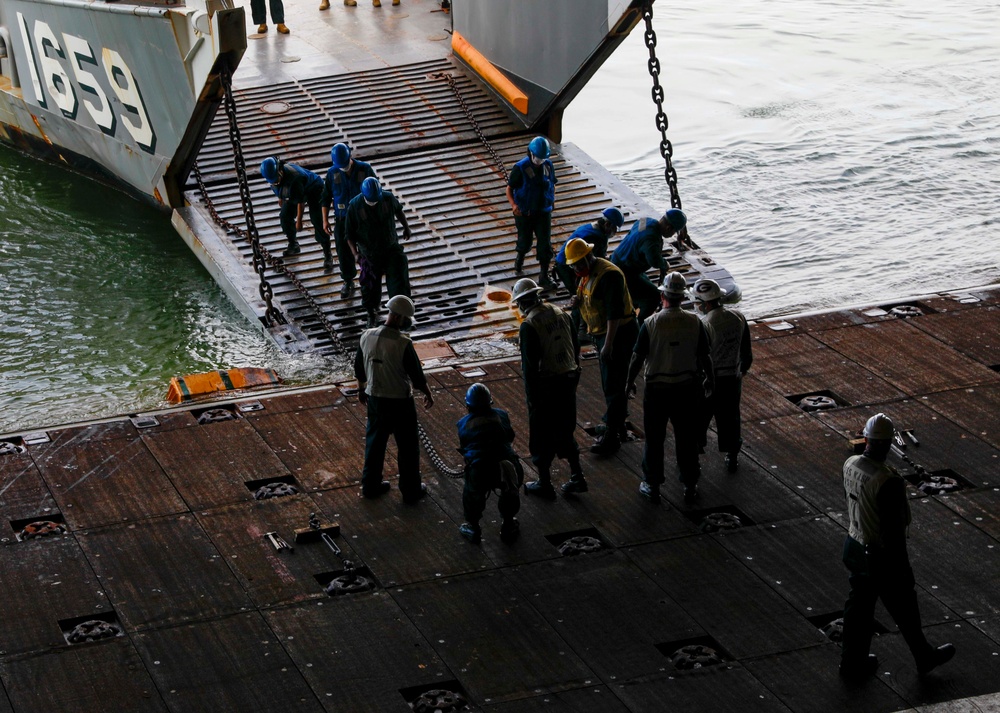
(262,257)
(666,148)
(436,459)
(450,78)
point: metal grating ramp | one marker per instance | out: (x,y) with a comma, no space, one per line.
(426,152)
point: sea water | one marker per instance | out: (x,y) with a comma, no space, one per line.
(828,153)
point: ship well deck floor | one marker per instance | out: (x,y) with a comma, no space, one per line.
(374,78)
(166,539)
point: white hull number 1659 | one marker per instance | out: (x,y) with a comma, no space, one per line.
(46,64)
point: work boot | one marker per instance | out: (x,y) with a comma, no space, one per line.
(372,318)
(471,531)
(541,488)
(857,673)
(324,5)
(732,462)
(384,487)
(414,497)
(292,249)
(934,658)
(351,3)
(261,29)
(576,484)
(651,492)
(510,529)
(282,28)
(543,277)
(327,264)
(376,3)
(347,290)
(519,263)
(607,445)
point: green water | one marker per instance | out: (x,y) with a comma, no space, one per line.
(102,304)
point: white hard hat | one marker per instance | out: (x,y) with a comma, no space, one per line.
(525,287)
(674,285)
(401,304)
(708,290)
(879,428)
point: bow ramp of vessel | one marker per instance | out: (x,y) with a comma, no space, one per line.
(441,103)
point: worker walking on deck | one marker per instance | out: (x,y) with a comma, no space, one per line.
(372,238)
(551,371)
(641,250)
(606,309)
(875,553)
(259,14)
(485,437)
(673,344)
(732,355)
(342,185)
(387,369)
(296,188)
(531,192)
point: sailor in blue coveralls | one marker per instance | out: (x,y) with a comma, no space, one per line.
(371,235)
(342,185)
(641,250)
(297,187)
(485,436)
(531,192)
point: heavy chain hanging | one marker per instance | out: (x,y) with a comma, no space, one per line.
(450,78)
(436,459)
(262,258)
(666,148)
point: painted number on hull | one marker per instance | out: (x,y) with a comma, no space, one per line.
(48,68)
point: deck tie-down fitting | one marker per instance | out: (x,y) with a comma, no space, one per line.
(693,656)
(42,528)
(440,700)
(581,544)
(274,490)
(93,630)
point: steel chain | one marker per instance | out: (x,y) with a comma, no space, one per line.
(666,148)
(450,78)
(436,459)
(262,257)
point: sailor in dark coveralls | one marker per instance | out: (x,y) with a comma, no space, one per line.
(371,235)
(641,250)
(551,372)
(297,187)
(387,369)
(875,553)
(485,436)
(606,309)
(674,346)
(531,192)
(342,185)
(732,355)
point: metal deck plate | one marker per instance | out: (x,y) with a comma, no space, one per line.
(102,676)
(45,582)
(107,481)
(271,577)
(907,358)
(611,614)
(191,580)
(323,448)
(494,657)
(761,402)
(974,409)
(401,543)
(22,493)
(736,608)
(975,333)
(809,680)
(597,699)
(229,664)
(719,688)
(980,507)
(357,651)
(76,435)
(210,464)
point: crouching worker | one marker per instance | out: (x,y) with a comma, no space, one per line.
(485,436)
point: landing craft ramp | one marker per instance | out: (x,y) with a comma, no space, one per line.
(386,83)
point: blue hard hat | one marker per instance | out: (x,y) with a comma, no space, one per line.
(371,189)
(539,147)
(676,218)
(340,155)
(615,217)
(478,397)
(269,169)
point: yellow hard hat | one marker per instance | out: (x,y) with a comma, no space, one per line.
(576,250)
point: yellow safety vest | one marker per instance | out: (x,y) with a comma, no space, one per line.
(593,311)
